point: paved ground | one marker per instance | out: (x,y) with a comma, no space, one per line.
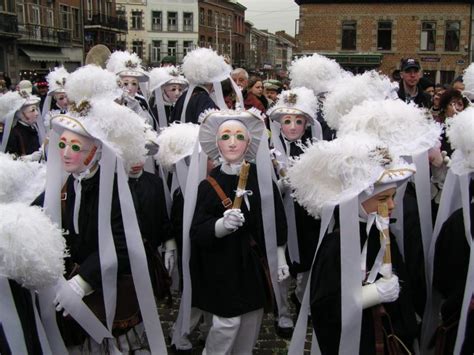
(268,342)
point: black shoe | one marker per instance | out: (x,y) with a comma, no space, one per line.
(181,351)
(284,333)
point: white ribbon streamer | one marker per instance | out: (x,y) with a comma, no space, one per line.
(6,131)
(139,265)
(10,320)
(245,194)
(45,348)
(189,93)
(107,252)
(160,105)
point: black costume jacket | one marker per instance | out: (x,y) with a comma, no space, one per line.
(307,227)
(326,296)
(226,274)
(23,140)
(449,277)
(199,102)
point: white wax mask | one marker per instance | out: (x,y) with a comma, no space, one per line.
(61,100)
(293,127)
(29,114)
(172,92)
(76,151)
(130,84)
(233,140)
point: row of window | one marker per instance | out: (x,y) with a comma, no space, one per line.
(137,22)
(384,35)
(214,19)
(160,49)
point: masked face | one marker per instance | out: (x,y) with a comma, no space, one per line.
(387,196)
(61,100)
(233,141)
(76,151)
(30,114)
(172,92)
(130,84)
(293,127)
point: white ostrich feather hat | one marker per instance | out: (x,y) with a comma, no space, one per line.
(211,120)
(166,75)
(95,114)
(176,142)
(353,91)
(203,65)
(329,171)
(460,132)
(468,80)
(406,128)
(13,101)
(124,63)
(297,101)
(316,72)
(57,80)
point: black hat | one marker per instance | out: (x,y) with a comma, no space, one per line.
(409,63)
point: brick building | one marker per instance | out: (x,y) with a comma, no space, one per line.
(370,34)
(221,27)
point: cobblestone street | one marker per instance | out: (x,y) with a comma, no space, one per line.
(269,343)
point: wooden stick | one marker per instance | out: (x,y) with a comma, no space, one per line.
(244,174)
(382,211)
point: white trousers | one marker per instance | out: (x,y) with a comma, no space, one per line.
(236,335)
(301,282)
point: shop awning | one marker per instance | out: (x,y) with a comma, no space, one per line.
(45,56)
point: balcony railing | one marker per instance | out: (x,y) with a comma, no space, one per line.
(172,28)
(8,23)
(188,28)
(43,34)
(107,21)
(156,27)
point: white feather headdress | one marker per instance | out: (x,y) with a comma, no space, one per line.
(203,65)
(166,75)
(57,80)
(176,142)
(316,72)
(32,248)
(353,91)
(347,166)
(295,101)
(12,101)
(406,128)
(123,63)
(468,80)
(460,132)
(20,181)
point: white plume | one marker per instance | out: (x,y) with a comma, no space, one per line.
(407,129)
(32,248)
(176,142)
(160,76)
(57,79)
(118,61)
(20,181)
(353,91)
(460,132)
(331,170)
(10,102)
(203,65)
(91,81)
(120,127)
(316,72)
(468,80)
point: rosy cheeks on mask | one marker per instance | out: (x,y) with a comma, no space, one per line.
(232,141)
(293,127)
(173,92)
(74,151)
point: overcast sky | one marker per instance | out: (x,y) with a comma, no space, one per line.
(273,15)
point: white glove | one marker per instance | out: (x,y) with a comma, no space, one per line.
(382,291)
(233,219)
(35,156)
(170,255)
(283,269)
(79,286)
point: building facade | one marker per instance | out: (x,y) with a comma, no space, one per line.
(102,23)
(160,28)
(222,28)
(364,35)
(47,34)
